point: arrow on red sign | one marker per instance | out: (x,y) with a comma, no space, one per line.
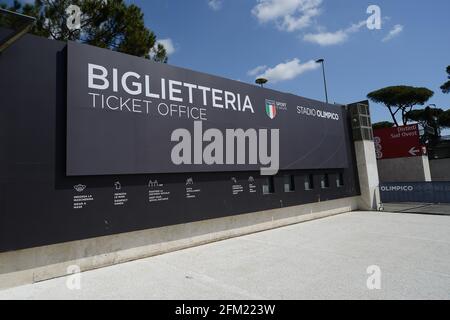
(413,151)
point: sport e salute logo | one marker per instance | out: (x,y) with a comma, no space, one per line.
(271,109)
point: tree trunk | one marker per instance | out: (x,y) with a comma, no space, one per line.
(404,112)
(393,116)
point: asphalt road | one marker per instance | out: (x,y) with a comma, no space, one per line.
(321,259)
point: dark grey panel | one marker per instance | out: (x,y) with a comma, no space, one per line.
(425,192)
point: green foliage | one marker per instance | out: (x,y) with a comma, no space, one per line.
(444,119)
(402,98)
(115,25)
(446,86)
(434,118)
(11,21)
(428,116)
(382,125)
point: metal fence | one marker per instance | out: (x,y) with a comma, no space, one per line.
(425,192)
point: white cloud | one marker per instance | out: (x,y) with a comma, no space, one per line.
(326,38)
(168,45)
(333,38)
(289,15)
(257,70)
(398,28)
(215,4)
(288,70)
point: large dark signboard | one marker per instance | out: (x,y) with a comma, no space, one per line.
(127,115)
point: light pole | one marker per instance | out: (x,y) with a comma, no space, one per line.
(322,61)
(261,82)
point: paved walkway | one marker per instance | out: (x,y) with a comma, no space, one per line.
(322,259)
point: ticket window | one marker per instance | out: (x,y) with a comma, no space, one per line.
(289,183)
(325,181)
(269,186)
(340,180)
(309,182)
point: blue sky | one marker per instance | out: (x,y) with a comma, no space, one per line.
(232,37)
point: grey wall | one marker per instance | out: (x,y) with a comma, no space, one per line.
(414,169)
(368,175)
(440,169)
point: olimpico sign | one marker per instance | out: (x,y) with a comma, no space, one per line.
(397,188)
(127,115)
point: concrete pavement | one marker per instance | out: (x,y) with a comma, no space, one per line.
(321,259)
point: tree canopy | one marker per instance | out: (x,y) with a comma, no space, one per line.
(444,119)
(428,116)
(111,24)
(401,99)
(446,86)
(434,118)
(382,125)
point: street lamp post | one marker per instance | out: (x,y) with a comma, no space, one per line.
(322,61)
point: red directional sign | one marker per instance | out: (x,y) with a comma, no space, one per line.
(398,142)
